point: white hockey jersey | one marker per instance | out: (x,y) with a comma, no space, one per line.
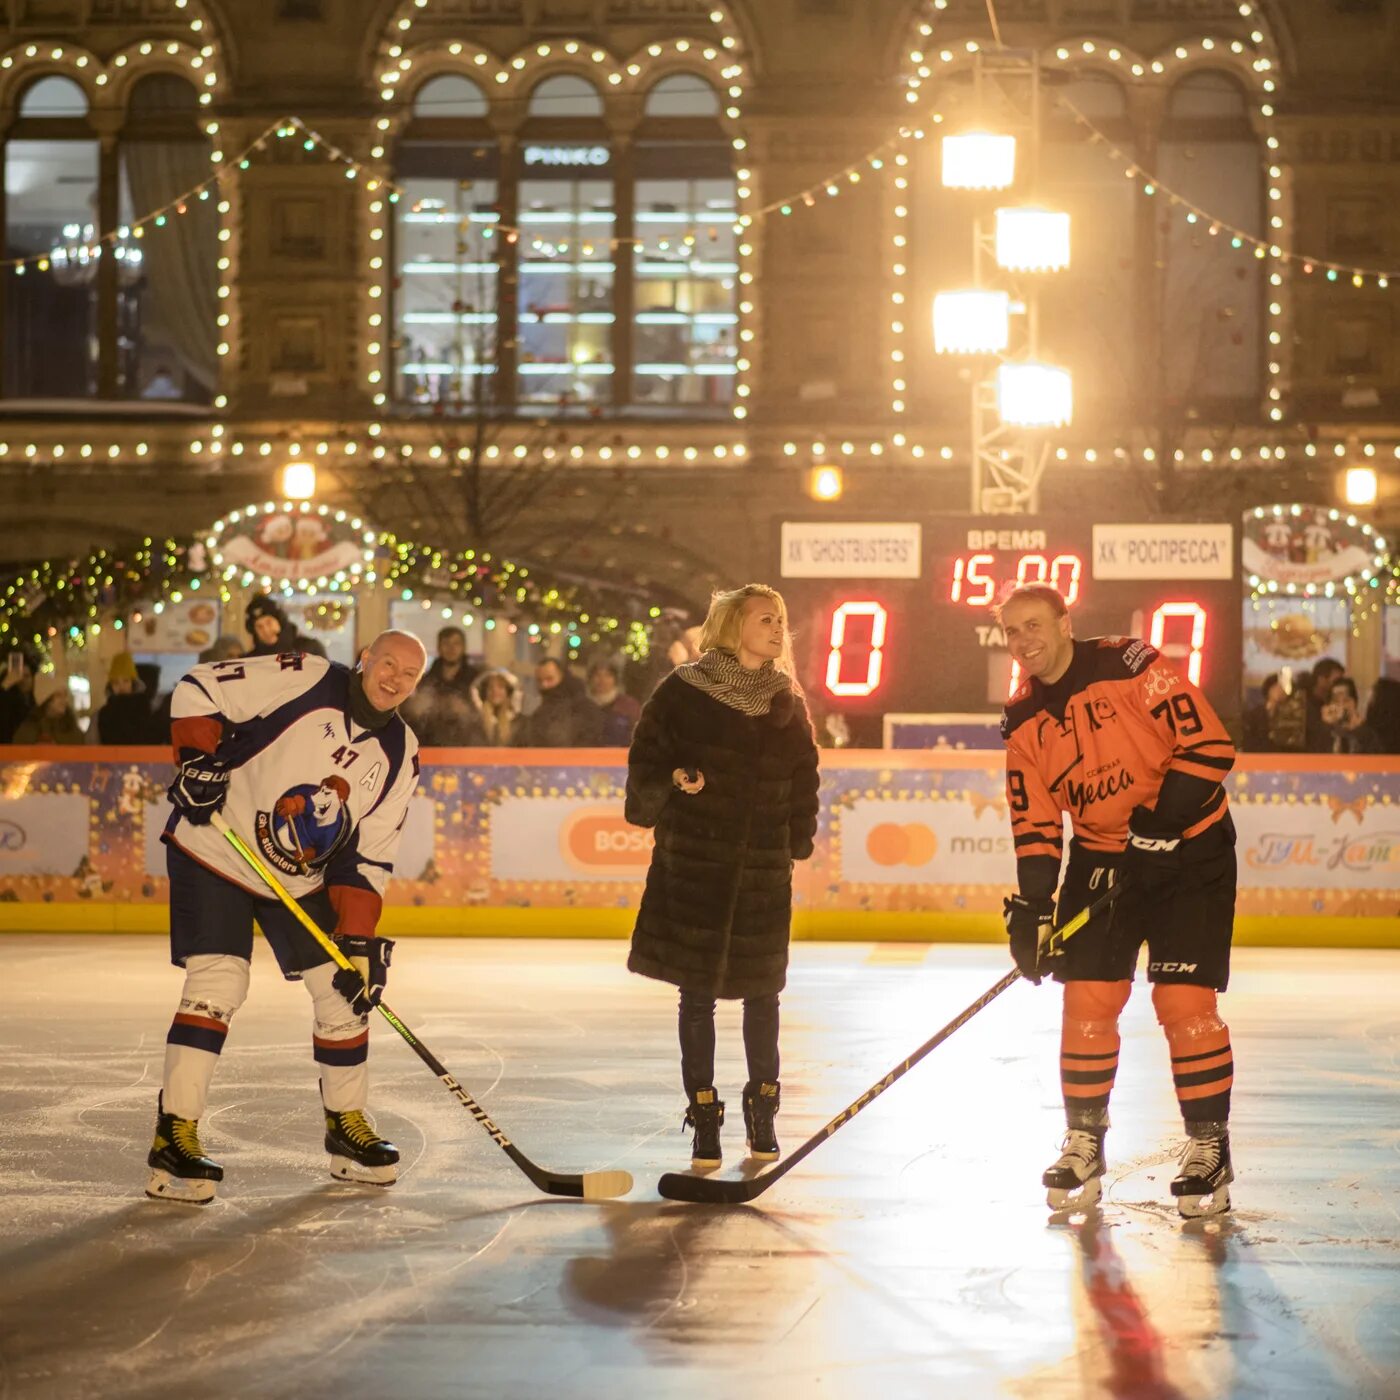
(321,800)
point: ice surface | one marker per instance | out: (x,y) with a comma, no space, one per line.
(909,1256)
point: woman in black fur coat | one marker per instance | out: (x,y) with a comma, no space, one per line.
(724,766)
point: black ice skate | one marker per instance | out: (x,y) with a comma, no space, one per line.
(1203,1186)
(1075,1181)
(358,1153)
(760,1109)
(179,1169)
(705,1115)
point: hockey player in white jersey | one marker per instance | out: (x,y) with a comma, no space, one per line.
(313,766)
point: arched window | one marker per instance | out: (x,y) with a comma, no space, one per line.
(169,278)
(682,95)
(53,96)
(685,297)
(567,218)
(1088,321)
(137,319)
(1210,297)
(60,339)
(565,95)
(450,95)
(448,245)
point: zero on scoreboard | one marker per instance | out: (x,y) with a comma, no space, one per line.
(927,639)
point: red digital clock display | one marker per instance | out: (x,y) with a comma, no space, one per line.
(931,644)
(979,580)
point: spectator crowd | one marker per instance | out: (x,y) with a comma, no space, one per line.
(460,704)
(1320,712)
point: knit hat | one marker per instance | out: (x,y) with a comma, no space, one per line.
(47,684)
(263,606)
(123,668)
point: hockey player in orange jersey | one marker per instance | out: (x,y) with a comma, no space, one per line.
(1107,731)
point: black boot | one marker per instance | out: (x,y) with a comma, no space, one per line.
(179,1169)
(761,1102)
(358,1153)
(1203,1186)
(705,1115)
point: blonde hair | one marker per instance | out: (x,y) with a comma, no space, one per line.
(724,623)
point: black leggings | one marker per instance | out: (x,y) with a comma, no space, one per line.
(697,1030)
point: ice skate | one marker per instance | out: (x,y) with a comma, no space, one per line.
(760,1109)
(179,1169)
(706,1116)
(1203,1185)
(1075,1181)
(358,1153)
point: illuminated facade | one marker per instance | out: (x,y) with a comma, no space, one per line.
(688,245)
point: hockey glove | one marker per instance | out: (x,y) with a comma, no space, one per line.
(1028,922)
(1152,857)
(200,787)
(363,987)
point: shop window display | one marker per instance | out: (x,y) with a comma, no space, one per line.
(147,329)
(447,241)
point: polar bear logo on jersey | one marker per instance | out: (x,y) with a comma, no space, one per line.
(309,822)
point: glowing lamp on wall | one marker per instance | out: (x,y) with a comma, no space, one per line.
(1032,240)
(1360,486)
(298,481)
(971,322)
(1034,396)
(979,160)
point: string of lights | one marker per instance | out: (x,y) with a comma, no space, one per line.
(1231,235)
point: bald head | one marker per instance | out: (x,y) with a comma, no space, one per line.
(391,667)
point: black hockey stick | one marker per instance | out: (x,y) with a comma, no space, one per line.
(592,1186)
(676,1186)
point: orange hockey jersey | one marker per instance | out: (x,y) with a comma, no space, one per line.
(1120,729)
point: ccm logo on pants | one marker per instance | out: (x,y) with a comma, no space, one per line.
(1171,967)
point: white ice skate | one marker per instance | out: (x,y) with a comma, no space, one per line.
(1075,1181)
(1203,1185)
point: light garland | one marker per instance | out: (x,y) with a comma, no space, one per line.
(69,602)
(1370,577)
(1255,59)
(1236,237)
(722,57)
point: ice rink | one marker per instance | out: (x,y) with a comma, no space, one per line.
(911,1256)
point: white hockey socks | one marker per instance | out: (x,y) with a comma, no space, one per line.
(216,985)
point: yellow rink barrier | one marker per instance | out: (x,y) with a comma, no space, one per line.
(913,847)
(1251,931)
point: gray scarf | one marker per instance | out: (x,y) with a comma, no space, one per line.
(719,673)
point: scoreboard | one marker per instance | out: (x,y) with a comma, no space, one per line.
(897,616)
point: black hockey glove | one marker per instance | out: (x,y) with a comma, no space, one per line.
(1027,920)
(1152,857)
(365,986)
(200,787)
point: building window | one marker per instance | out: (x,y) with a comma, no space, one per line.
(448,245)
(1211,302)
(566,250)
(685,272)
(136,321)
(574,273)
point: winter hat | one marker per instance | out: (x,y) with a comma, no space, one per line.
(224,648)
(123,668)
(47,684)
(263,606)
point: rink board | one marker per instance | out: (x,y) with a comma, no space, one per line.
(912,846)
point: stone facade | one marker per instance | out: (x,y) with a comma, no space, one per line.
(809,89)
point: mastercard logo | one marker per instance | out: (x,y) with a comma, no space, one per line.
(599,839)
(901,843)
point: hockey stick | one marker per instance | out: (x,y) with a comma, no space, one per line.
(591,1186)
(676,1186)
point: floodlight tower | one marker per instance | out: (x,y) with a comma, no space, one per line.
(1023,397)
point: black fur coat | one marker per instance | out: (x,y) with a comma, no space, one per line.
(717,908)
